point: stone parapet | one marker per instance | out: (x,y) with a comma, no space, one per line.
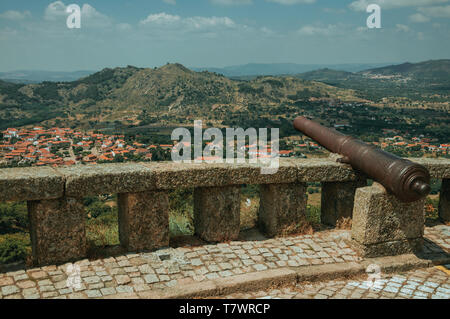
(30,183)
(438,167)
(22,184)
(381,224)
(81,181)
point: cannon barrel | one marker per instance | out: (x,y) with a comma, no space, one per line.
(408,181)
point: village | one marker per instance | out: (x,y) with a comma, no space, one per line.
(64,146)
(391,141)
(56,146)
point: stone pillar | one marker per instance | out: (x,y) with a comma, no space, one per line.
(444,201)
(384,226)
(57,229)
(337,200)
(282,208)
(144,220)
(217,213)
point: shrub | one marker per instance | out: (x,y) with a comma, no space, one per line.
(102,230)
(7,224)
(313,215)
(181,212)
(431,208)
(97,209)
(13,218)
(14,248)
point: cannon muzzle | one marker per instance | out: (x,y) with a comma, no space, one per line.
(408,181)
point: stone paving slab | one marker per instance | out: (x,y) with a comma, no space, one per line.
(175,268)
(428,283)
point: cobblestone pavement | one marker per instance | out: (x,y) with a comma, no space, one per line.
(430,283)
(172,267)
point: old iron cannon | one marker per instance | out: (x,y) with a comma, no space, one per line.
(408,181)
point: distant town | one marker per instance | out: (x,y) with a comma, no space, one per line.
(64,146)
(56,146)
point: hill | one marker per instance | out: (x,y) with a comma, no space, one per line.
(174,94)
(329,76)
(258,69)
(136,95)
(426,81)
(436,70)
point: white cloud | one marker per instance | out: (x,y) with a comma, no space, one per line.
(436,12)
(15,15)
(161,19)
(361,5)
(208,22)
(55,11)
(361,29)
(7,32)
(124,27)
(232,2)
(402,28)
(90,17)
(424,14)
(310,30)
(334,10)
(267,31)
(419,18)
(292,2)
(89,11)
(167,21)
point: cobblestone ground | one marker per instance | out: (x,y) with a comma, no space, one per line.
(134,273)
(431,283)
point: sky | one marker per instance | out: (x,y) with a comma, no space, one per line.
(218,33)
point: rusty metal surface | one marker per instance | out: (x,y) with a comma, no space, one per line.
(407,180)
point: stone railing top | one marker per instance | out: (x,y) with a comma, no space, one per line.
(38,183)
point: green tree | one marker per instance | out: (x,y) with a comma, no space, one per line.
(13,250)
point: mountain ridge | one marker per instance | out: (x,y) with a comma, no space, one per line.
(246,70)
(129,93)
(427,69)
(411,80)
(258,69)
(133,95)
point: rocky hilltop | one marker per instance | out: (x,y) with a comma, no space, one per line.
(125,93)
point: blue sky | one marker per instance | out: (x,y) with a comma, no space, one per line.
(148,33)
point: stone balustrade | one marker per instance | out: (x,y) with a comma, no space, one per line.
(57,216)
